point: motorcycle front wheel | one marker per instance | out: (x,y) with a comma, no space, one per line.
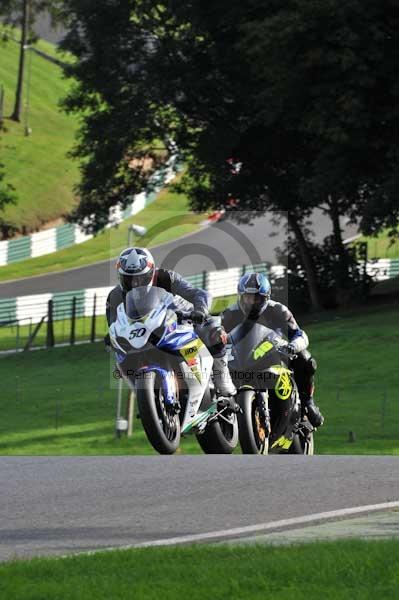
(252,432)
(160,421)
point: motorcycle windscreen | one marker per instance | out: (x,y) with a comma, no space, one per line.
(140,301)
(246,338)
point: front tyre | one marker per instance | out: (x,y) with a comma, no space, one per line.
(160,421)
(253,435)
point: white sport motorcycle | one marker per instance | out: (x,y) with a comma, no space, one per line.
(169,367)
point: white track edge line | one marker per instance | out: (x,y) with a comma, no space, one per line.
(261,527)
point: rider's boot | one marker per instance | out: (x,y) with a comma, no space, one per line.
(312,411)
(221,377)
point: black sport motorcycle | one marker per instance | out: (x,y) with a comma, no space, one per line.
(270,420)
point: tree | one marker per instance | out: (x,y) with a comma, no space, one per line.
(303,94)
(7,196)
(328,71)
(23,13)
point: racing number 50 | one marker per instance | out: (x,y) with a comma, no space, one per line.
(137,333)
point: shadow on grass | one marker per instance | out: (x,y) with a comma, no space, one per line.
(57,436)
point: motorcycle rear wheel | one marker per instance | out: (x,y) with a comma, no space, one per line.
(253,436)
(161,424)
(301,445)
(219,436)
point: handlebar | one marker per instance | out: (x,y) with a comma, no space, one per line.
(183,315)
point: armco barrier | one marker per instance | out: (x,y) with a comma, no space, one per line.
(56,238)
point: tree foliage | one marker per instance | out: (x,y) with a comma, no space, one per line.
(23,14)
(303,94)
(11,11)
(7,196)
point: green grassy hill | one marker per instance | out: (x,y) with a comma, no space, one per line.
(61,401)
(37,165)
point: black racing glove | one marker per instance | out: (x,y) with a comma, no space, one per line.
(287,349)
(199,316)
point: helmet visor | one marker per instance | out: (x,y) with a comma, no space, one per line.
(252,303)
(128,282)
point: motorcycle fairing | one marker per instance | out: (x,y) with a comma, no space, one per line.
(138,332)
(167,381)
(282,442)
(196,386)
(283,387)
(253,347)
(177,338)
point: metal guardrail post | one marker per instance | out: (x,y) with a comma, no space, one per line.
(121,424)
(383,409)
(73,322)
(93,320)
(50,325)
(130,413)
(204,280)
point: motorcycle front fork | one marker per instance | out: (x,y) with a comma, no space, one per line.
(263,403)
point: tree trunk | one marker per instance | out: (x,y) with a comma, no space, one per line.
(341,252)
(307,263)
(16,115)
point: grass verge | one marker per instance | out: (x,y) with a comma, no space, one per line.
(352,570)
(37,165)
(381,246)
(61,401)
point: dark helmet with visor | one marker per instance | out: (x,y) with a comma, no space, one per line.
(254,292)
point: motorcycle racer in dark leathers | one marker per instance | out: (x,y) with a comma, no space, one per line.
(136,268)
(254,304)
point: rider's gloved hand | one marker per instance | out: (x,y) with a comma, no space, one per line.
(287,349)
(198,316)
(290,349)
(219,336)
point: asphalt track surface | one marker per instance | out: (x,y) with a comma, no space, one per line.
(216,247)
(63,505)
